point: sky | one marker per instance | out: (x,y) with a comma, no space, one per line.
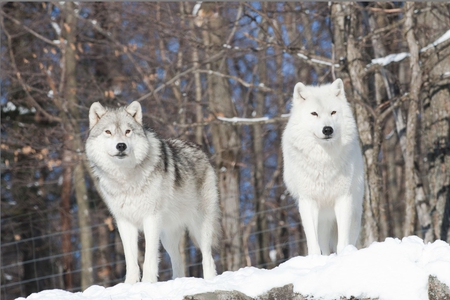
(393,269)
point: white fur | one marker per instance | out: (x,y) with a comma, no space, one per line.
(325,176)
(143,197)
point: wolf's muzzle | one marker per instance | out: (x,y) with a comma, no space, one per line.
(121,147)
(327,131)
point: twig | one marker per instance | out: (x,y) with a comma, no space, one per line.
(27,29)
(30,98)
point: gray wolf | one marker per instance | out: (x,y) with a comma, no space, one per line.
(157,186)
(323,166)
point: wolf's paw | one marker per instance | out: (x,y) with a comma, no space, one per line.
(149,278)
(209,274)
(132,278)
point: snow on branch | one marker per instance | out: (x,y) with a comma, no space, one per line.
(248,121)
(317,60)
(238,121)
(440,40)
(397,57)
(384,61)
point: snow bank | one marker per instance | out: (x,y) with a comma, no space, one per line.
(394,269)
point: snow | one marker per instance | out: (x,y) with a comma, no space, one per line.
(9,107)
(393,269)
(396,57)
(196,8)
(56,27)
(237,119)
(383,61)
(440,40)
(249,120)
(317,61)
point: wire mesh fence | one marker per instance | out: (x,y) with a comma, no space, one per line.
(169,56)
(32,253)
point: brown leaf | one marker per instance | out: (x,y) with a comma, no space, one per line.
(28,150)
(67,27)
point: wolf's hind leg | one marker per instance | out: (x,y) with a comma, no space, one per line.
(203,233)
(209,267)
(206,226)
(171,242)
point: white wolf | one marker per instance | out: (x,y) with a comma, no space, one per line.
(323,166)
(158,186)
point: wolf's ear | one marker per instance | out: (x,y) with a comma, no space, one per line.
(300,92)
(135,110)
(338,87)
(95,113)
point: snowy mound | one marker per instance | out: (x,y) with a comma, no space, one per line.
(394,269)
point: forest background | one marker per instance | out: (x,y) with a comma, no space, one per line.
(220,74)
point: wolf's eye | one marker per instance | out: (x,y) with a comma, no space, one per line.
(333,112)
(314,114)
(108,132)
(127,131)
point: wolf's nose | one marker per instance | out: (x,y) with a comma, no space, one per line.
(327,130)
(121,147)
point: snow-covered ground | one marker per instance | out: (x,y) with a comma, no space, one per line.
(394,269)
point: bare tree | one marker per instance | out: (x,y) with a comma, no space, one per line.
(434,210)
(415,86)
(262,236)
(222,77)
(225,138)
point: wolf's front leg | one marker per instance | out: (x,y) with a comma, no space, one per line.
(344,215)
(129,235)
(152,230)
(309,213)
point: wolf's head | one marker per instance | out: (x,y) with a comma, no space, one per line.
(116,135)
(322,111)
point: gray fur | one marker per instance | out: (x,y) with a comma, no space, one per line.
(158,186)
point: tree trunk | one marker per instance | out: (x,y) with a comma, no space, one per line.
(104,269)
(376,21)
(226,141)
(261,230)
(345,46)
(415,86)
(198,89)
(435,135)
(66,243)
(76,147)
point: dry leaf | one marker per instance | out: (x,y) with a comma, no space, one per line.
(67,27)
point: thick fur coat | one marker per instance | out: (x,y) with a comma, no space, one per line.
(160,187)
(323,166)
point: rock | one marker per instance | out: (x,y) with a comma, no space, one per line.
(219,295)
(437,290)
(281,293)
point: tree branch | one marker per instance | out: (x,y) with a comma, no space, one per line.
(17,22)
(32,102)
